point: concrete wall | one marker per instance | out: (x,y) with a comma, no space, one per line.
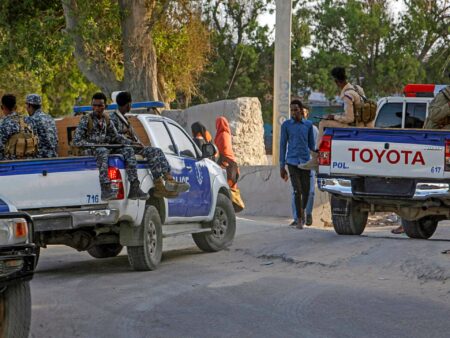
(245,117)
(266,194)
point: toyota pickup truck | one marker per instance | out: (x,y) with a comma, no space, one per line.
(62,195)
(17,262)
(406,171)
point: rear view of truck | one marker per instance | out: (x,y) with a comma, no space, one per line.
(386,170)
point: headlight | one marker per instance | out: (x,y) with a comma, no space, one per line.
(13,231)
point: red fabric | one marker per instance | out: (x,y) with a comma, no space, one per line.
(223,138)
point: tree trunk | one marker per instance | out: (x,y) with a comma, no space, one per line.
(96,71)
(140,62)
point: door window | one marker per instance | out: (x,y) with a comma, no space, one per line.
(185,146)
(415,115)
(162,137)
(390,116)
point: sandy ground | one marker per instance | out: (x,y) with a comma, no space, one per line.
(274,281)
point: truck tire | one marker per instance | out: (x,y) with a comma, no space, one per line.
(422,228)
(15,311)
(147,256)
(105,250)
(223,227)
(354,222)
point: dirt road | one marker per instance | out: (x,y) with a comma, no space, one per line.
(274,281)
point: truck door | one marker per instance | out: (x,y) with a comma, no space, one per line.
(198,198)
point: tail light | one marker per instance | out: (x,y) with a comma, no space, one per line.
(116,182)
(447,156)
(325,150)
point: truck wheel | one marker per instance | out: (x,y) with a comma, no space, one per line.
(147,256)
(422,228)
(15,310)
(348,219)
(223,227)
(105,250)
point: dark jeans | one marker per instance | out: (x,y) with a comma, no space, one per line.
(300,180)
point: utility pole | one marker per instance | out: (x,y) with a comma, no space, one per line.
(282,72)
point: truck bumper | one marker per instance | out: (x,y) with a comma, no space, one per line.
(67,220)
(423,190)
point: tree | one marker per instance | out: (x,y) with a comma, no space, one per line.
(115,44)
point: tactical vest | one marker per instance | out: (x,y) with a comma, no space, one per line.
(76,151)
(364,112)
(22,144)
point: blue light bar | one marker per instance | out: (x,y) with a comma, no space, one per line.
(137,105)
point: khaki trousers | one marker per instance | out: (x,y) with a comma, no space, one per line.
(328,124)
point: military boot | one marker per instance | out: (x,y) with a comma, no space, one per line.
(175,186)
(107,193)
(136,193)
(161,191)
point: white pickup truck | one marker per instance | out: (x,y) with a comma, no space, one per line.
(406,171)
(63,197)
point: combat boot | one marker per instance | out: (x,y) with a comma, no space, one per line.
(160,190)
(175,186)
(107,193)
(136,193)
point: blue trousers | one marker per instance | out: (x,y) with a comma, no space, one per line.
(310,205)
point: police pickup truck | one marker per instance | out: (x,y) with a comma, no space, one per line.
(406,171)
(17,261)
(62,195)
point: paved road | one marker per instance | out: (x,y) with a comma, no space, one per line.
(274,281)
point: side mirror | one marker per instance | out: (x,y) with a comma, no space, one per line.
(208,150)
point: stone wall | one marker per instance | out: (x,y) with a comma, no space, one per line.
(245,117)
(266,194)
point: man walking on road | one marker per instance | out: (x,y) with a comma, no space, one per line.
(296,141)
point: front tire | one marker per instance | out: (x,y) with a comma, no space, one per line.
(348,219)
(105,250)
(147,256)
(422,228)
(223,227)
(15,311)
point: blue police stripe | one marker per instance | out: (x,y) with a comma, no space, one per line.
(59,165)
(137,105)
(411,136)
(3,206)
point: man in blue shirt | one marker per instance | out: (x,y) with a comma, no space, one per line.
(296,141)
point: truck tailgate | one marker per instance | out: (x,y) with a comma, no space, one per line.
(388,153)
(42,183)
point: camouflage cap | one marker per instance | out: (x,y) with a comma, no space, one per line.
(33,99)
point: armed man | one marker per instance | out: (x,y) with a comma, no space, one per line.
(352,96)
(439,111)
(165,185)
(96,129)
(17,140)
(44,127)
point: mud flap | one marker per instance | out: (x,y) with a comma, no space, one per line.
(341,207)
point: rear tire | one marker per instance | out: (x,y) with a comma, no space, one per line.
(348,219)
(422,228)
(147,256)
(105,250)
(223,227)
(15,311)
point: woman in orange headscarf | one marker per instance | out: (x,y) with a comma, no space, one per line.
(226,160)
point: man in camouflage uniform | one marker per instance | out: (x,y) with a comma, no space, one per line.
(9,124)
(439,111)
(165,185)
(96,128)
(14,129)
(43,126)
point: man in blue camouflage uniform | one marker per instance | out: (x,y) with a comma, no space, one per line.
(95,128)
(43,126)
(9,124)
(165,185)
